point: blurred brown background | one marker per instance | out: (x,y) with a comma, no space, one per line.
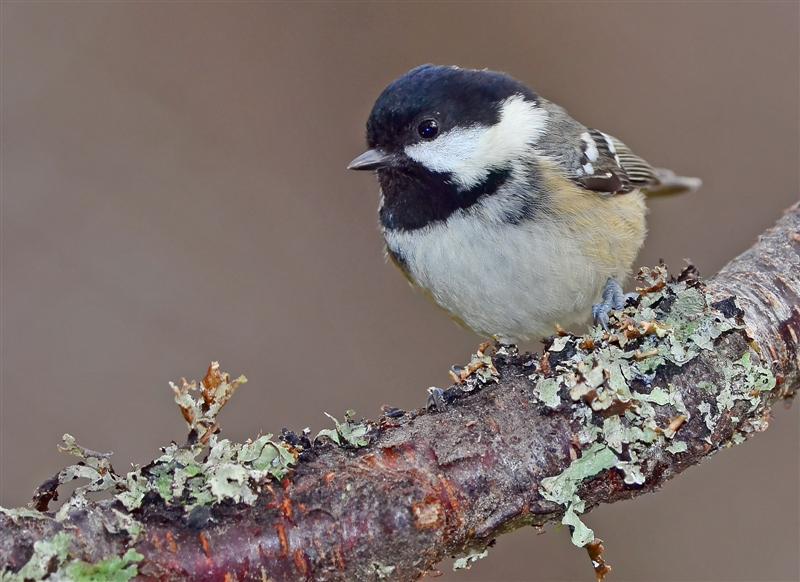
(174,192)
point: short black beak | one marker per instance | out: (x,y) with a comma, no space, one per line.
(370,160)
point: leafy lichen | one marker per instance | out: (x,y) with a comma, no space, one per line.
(547,391)
(381,571)
(19,513)
(194,475)
(479,371)
(51,561)
(581,533)
(207,469)
(607,379)
(563,488)
(204,471)
(111,569)
(677,447)
(48,554)
(465,562)
(347,433)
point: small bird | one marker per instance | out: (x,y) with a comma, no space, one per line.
(510,214)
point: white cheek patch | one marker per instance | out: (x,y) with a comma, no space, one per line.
(470,153)
(452,151)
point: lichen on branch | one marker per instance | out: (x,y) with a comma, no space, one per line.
(687,369)
(630,415)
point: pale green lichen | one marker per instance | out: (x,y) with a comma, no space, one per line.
(19,513)
(672,324)
(547,391)
(111,569)
(738,438)
(744,380)
(465,562)
(265,455)
(117,522)
(741,380)
(95,467)
(347,433)
(657,396)
(47,554)
(208,470)
(677,447)
(136,486)
(707,387)
(581,533)
(381,571)
(563,488)
(617,433)
(51,561)
(559,343)
(708,417)
(204,471)
(228,471)
(231,481)
(631,470)
(614,433)
(676,400)
(479,371)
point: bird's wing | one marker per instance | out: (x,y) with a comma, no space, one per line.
(608,166)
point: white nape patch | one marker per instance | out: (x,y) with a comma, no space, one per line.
(470,153)
(591,147)
(588,168)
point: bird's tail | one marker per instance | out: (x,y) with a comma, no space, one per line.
(670,183)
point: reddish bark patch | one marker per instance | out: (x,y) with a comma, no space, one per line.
(173,546)
(205,544)
(282,539)
(428,514)
(301,562)
(286,508)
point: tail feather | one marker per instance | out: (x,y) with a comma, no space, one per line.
(670,183)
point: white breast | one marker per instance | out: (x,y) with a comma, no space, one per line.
(514,282)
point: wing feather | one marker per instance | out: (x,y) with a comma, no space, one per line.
(602,163)
(617,170)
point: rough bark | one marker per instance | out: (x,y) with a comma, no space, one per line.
(434,483)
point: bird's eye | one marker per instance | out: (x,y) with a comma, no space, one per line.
(428,129)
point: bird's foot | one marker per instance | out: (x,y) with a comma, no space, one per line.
(614,299)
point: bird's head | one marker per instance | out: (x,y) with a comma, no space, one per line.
(458,124)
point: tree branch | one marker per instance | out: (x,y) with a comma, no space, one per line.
(521,439)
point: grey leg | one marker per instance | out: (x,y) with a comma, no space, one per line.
(614,298)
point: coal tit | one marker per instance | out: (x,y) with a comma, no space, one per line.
(510,214)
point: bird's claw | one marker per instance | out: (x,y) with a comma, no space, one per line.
(614,299)
(600,313)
